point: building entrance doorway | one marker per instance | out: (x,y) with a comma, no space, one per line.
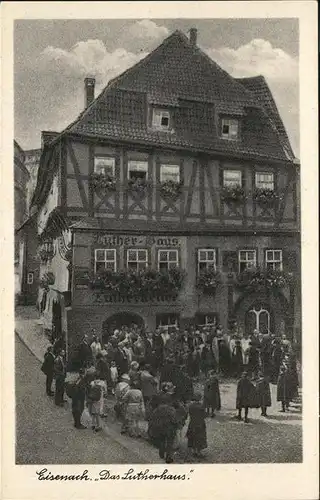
(119,320)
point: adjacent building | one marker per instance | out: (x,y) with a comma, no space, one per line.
(21,177)
(172,199)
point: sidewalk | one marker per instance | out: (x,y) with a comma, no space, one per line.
(30,330)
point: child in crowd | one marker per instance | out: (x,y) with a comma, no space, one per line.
(113,376)
(211,398)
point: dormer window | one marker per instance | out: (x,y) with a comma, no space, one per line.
(161,119)
(229,129)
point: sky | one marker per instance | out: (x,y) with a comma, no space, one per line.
(52,58)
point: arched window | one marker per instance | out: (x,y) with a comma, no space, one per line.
(261,319)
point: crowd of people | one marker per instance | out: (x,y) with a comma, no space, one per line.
(168,379)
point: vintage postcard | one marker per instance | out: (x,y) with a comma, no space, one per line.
(159,297)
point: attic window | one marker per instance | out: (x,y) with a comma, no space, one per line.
(229,129)
(161,119)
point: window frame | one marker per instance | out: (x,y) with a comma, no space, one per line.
(223,122)
(31,273)
(137,261)
(137,162)
(170,165)
(105,260)
(104,157)
(207,261)
(168,326)
(167,250)
(240,261)
(162,112)
(273,261)
(257,173)
(205,315)
(231,184)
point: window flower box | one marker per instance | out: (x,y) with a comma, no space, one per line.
(102,182)
(233,194)
(266,197)
(208,281)
(171,189)
(138,185)
(257,279)
(143,286)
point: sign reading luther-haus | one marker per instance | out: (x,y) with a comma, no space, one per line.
(115,240)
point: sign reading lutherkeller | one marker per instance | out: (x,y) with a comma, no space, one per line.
(115,240)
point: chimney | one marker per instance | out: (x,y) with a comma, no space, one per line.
(193,36)
(89,84)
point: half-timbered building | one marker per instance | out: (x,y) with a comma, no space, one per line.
(172,199)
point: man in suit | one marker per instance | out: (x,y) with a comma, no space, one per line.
(60,375)
(78,398)
(48,369)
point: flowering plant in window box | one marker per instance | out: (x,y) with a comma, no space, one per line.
(103,182)
(171,189)
(137,286)
(138,185)
(266,197)
(46,280)
(233,194)
(257,279)
(208,280)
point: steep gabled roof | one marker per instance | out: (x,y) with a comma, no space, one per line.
(180,75)
(259,88)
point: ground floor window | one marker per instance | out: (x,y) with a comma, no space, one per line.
(105,259)
(167,322)
(167,259)
(247,260)
(137,259)
(206,319)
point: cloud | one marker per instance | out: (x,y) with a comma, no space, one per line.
(61,73)
(89,57)
(148,29)
(257,57)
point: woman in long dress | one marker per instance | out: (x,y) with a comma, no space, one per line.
(134,409)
